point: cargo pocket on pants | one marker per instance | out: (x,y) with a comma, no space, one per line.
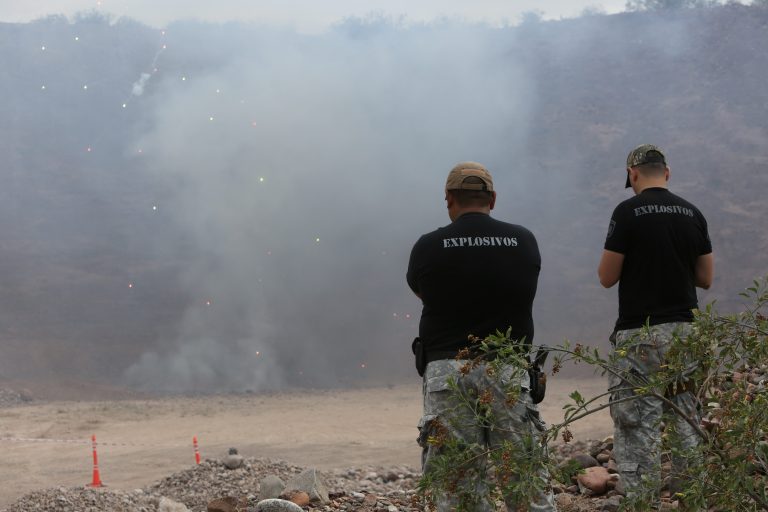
(436,398)
(624,413)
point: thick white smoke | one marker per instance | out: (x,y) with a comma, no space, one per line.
(303,169)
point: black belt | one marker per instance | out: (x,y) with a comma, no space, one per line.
(437,355)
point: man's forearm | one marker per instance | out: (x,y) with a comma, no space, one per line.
(705,271)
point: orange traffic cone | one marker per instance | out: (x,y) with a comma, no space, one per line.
(96,477)
(197,451)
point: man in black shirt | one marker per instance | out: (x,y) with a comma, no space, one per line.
(658,250)
(475,276)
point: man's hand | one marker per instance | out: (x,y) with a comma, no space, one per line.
(609,270)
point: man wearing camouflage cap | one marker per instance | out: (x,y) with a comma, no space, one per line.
(658,250)
(474,276)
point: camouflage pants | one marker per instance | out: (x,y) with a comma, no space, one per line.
(637,422)
(445,415)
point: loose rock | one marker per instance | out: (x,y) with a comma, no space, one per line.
(277,505)
(298,497)
(594,479)
(564,501)
(228,504)
(309,481)
(612,504)
(168,505)
(583,460)
(271,487)
(233,460)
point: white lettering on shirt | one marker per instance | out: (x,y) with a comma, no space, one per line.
(480,241)
(662,208)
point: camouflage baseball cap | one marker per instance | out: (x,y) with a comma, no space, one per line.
(464,170)
(644,154)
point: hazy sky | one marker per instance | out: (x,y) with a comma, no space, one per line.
(305,15)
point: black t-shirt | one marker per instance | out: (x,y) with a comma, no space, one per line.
(474,276)
(661,236)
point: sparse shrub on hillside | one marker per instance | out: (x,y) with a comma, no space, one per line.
(728,471)
(660,5)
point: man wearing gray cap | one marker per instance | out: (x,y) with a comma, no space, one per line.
(658,250)
(474,276)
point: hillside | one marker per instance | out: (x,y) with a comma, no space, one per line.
(214,207)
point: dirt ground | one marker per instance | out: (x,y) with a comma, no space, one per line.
(141,441)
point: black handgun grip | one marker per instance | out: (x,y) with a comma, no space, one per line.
(421,357)
(538,376)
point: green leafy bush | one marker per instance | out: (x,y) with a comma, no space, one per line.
(727,471)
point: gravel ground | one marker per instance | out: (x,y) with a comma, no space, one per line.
(375,489)
(195,487)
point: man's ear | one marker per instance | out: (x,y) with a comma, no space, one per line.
(448,199)
(493,200)
(666,173)
(634,175)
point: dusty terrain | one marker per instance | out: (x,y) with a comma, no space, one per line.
(141,441)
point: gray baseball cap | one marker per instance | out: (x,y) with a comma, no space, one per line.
(644,154)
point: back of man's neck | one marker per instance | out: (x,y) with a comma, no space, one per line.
(651,184)
(486,211)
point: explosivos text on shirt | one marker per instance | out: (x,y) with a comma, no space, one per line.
(480,241)
(662,208)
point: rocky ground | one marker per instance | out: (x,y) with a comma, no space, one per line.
(211,486)
(199,485)
(237,484)
(234,484)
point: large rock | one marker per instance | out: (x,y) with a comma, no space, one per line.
(310,482)
(583,460)
(168,505)
(298,497)
(233,460)
(227,504)
(594,480)
(270,487)
(275,505)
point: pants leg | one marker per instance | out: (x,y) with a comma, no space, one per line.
(637,422)
(686,401)
(636,419)
(687,436)
(521,427)
(446,417)
(637,442)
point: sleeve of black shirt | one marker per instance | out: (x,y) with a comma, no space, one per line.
(706,243)
(617,239)
(410,276)
(537,253)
